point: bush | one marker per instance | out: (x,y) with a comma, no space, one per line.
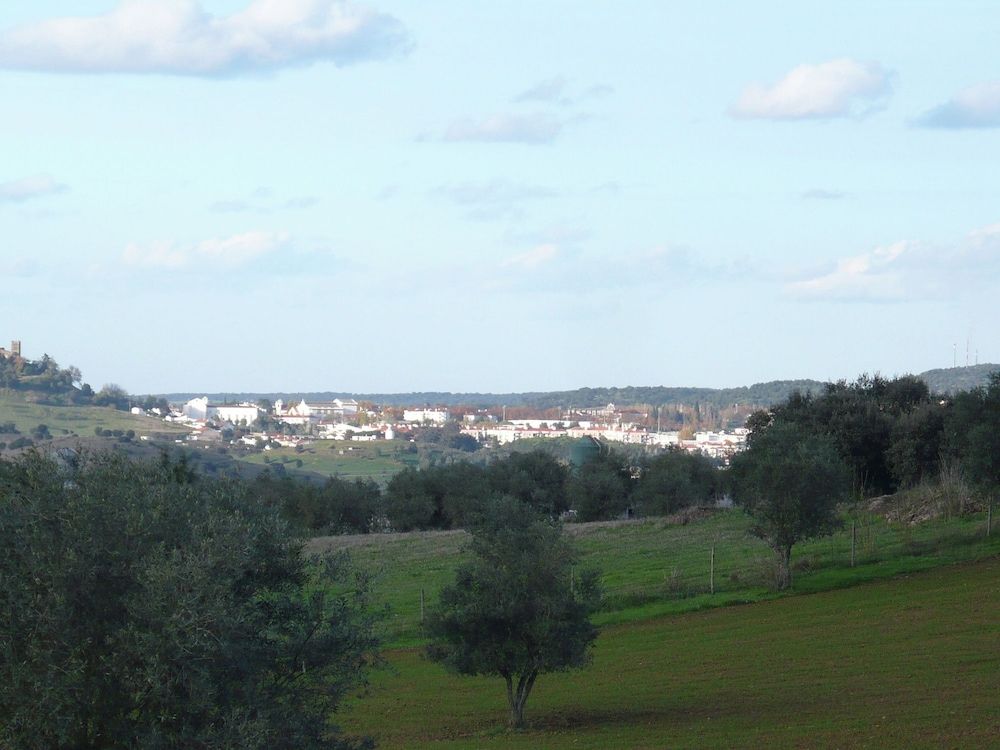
(601,489)
(676,480)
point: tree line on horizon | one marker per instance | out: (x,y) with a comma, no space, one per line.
(943,381)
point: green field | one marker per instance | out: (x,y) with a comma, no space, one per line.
(348,459)
(77,420)
(908,662)
(345,459)
(659,566)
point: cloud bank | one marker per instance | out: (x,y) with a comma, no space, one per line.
(178,37)
(838,88)
(26,188)
(974,107)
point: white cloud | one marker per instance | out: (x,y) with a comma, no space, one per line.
(19,267)
(26,188)
(986,235)
(822,194)
(908,270)
(179,37)
(557,90)
(496,199)
(533,128)
(838,88)
(549,90)
(230,252)
(301,201)
(262,202)
(234,207)
(974,107)
(532,259)
(873,275)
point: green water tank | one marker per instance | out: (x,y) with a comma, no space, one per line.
(583,450)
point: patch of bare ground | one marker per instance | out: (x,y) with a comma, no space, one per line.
(949,497)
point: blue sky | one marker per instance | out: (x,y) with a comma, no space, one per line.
(306,195)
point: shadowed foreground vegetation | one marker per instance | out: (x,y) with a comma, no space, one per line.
(910,662)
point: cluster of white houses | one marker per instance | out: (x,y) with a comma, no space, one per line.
(200,410)
(338,419)
(720,445)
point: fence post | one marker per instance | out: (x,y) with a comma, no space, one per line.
(711,580)
(989,515)
(854,539)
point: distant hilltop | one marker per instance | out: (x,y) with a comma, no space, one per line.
(955,379)
(944,381)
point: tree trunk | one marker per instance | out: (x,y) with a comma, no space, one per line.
(517,697)
(783,579)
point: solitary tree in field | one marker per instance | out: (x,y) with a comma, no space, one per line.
(514,610)
(790,481)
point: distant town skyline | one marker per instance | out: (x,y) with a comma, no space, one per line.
(392,196)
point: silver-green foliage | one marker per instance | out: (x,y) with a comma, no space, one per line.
(143,608)
(517,610)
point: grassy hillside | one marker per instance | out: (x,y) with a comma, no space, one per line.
(79,420)
(910,662)
(660,566)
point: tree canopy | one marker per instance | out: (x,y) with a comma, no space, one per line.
(674,480)
(862,418)
(790,481)
(972,434)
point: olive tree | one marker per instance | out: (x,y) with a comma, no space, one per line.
(514,610)
(146,608)
(790,480)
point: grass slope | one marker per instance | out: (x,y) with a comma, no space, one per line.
(345,459)
(910,662)
(79,420)
(661,566)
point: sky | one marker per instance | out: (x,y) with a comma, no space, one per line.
(395,196)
